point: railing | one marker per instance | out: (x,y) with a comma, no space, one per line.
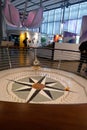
(12,57)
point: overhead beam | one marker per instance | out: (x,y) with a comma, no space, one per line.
(33,4)
(47,7)
(38,3)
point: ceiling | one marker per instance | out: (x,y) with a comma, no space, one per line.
(29,5)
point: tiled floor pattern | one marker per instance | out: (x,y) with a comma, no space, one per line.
(66,81)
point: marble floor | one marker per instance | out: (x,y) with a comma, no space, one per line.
(42,86)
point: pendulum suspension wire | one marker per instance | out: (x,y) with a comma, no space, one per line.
(24,13)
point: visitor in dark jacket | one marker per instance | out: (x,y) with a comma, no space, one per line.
(83,55)
(25,42)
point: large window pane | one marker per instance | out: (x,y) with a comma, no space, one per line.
(65,26)
(74,11)
(83,10)
(66,15)
(78,29)
(72,26)
(50,28)
(44,28)
(58,13)
(56,28)
(45,17)
(51,16)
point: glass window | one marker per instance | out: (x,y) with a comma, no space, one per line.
(72,19)
(45,16)
(65,26)
(50,28)
(72,26)
(83,10)
(78,29)
(74,9)
(66,15)
(58,13)
(44,28)
(56,28)
(36,30)
(51,16)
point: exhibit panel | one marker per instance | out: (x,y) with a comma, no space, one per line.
(67,53)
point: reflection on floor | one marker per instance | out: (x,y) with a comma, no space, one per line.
(42,85)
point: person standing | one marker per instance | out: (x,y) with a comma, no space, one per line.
(83,55)
(25,42)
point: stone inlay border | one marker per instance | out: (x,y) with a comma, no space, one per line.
(66,79)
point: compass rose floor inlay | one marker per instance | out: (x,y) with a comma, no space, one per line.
(42,85)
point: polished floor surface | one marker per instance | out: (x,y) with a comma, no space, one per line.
(42,98)
(15,116)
